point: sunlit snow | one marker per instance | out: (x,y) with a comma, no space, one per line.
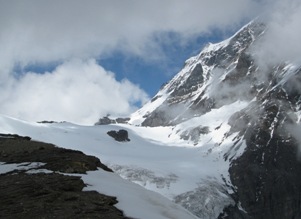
(155,158)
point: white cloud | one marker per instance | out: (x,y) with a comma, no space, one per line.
(37,30)
(281,41)
(41,31)
(75,91)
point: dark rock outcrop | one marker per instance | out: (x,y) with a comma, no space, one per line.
(106,121)
(121,135)
(268,181)
(14,136)
(49,195)
(19,149)
(52,196)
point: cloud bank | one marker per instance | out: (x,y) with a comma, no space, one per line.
(281,41)
(76,91)
(37,32)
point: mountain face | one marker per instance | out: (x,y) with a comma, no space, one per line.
(208,80)
(261,111)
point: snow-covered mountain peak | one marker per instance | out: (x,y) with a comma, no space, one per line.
(193,91)
(226,101)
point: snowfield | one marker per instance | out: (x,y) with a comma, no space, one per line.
(156,158)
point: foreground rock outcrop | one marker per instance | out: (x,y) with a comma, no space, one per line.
(42,191)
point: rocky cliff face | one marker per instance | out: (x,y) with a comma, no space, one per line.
(265,177)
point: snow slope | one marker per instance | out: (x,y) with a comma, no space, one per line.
(166,165)
(134,200)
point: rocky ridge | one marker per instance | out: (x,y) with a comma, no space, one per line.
(40,186)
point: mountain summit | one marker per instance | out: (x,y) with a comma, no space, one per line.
(219,75)
(225,95)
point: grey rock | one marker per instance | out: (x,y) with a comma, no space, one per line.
(121,135)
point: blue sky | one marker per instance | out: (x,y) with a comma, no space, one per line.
(151,75)
(79,60)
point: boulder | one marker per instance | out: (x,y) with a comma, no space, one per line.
(121,135)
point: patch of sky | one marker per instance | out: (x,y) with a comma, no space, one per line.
(37,67)
(151,75)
